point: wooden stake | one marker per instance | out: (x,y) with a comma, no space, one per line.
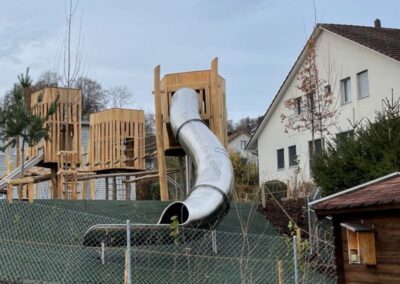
(159,137)
(281,275)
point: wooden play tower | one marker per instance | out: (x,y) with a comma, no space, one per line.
(62,151)
(116,144)
(210,87)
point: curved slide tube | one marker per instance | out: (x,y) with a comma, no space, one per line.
(209,199)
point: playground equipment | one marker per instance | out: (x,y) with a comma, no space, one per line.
(116,145)
(61,153)
(210,89)
(209,199)
(116,140)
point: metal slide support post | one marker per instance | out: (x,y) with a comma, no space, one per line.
(128,251)
(187,171)
(296,274)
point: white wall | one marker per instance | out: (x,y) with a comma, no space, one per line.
(346,59)
(235,145)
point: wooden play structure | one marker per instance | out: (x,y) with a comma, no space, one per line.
(62,151)
(116,140)
(210,87)
(64,125)
(116,144)
(116,148)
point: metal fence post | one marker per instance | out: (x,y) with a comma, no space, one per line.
(214,241)
(296,274)
(128,252)
(309,223)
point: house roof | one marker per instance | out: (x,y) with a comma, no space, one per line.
(237,134)
(382,40)
(381,192)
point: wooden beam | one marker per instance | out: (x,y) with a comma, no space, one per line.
(159,137)
(140,178)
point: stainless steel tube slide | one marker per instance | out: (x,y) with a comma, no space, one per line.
(209,200)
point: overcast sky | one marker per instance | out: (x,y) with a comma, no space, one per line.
(257,41)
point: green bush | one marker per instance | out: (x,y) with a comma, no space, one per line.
(373,151)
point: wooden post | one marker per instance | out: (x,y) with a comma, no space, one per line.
(18,152)
(106,187)
(92,189)
(8,159)
(263,199)
(9,167)
(127,189)
(281,275)
(298,235)
(114,188)
(54,183)
(30,192)
(10,193)
(159,137)
(216,101)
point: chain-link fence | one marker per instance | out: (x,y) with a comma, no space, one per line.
(47,242)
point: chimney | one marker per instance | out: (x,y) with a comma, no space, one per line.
(377,23)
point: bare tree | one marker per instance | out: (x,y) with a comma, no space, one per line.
(315,110)
(72,52)
(47,79)
(118,96)
(92,95)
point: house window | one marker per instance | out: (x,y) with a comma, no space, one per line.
(311,101)
(362,84)
(292,156)
(242,144)
(298,105)
(318,147)
(327,89)
(343,136)
(345,86)
(281,158)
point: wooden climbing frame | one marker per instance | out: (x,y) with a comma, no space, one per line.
(116,140)
(64,125)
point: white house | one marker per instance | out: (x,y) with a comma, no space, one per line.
(361,67)
(237,142)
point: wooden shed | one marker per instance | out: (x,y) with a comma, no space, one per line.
(116,140)
(64,125)
(212,103)
(366,221)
